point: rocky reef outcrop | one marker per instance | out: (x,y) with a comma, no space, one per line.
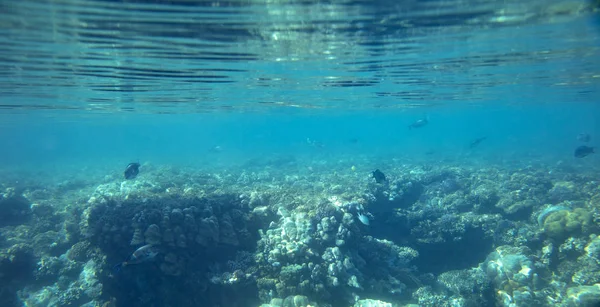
(429,236)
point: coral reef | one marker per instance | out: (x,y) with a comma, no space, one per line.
(564,223)
(432,235)
(15,208)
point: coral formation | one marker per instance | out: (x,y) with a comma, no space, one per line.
(15,208)
(563,223)
(434,236)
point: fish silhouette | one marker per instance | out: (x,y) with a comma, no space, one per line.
(141,255)
(132,170)
(379,176)
(583,151)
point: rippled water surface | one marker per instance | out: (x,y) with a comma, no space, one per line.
(196,56)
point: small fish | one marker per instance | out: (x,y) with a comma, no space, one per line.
(419,123)
(584,137)
(363,219)
(141,255)
(583,151)
(379,176)
(215,149)
(313,143)
(132,170)
(477,141)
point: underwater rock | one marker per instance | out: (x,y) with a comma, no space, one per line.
(519,209)
(513,273)
(306,259)
(457,202)
(292,274)
(485,196)
(327,228)
(169,237)
(562,224)
(227,232)
(593,248)
(83,291)
(261,211)
(296,301)
(172,265)
(317,249)
(548,254)
(79,251)
(470,282)
(372,303)
(41,209)
(15,208)
(165,222)
(266,288)
(181,241)
(577,260)
(153,235)
(297,228)
(43,297)
(290,301)
(563,191)
(49,242)
(584,296)
(450,185)
(88,280)
(48,269)
(400,193)
(208,231)
(244,260)
(571,248)
(425,296)
(138,238)
(17,262)
(123,214)
(189,224)
(376,251)
(176,217)
(257,199)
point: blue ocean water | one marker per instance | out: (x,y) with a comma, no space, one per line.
(298,102)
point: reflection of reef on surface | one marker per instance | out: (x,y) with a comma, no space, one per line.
(288,236)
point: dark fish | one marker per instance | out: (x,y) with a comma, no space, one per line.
(477,141)
(353,140)
(379,176)
(584,137)
(132,170)
(583,151)
(418,124)
(141,255)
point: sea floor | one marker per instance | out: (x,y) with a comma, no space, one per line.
(288,231)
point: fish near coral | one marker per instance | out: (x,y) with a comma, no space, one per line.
(583,151)
(132,170)
(379,176)
(363,218)
(141,255)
